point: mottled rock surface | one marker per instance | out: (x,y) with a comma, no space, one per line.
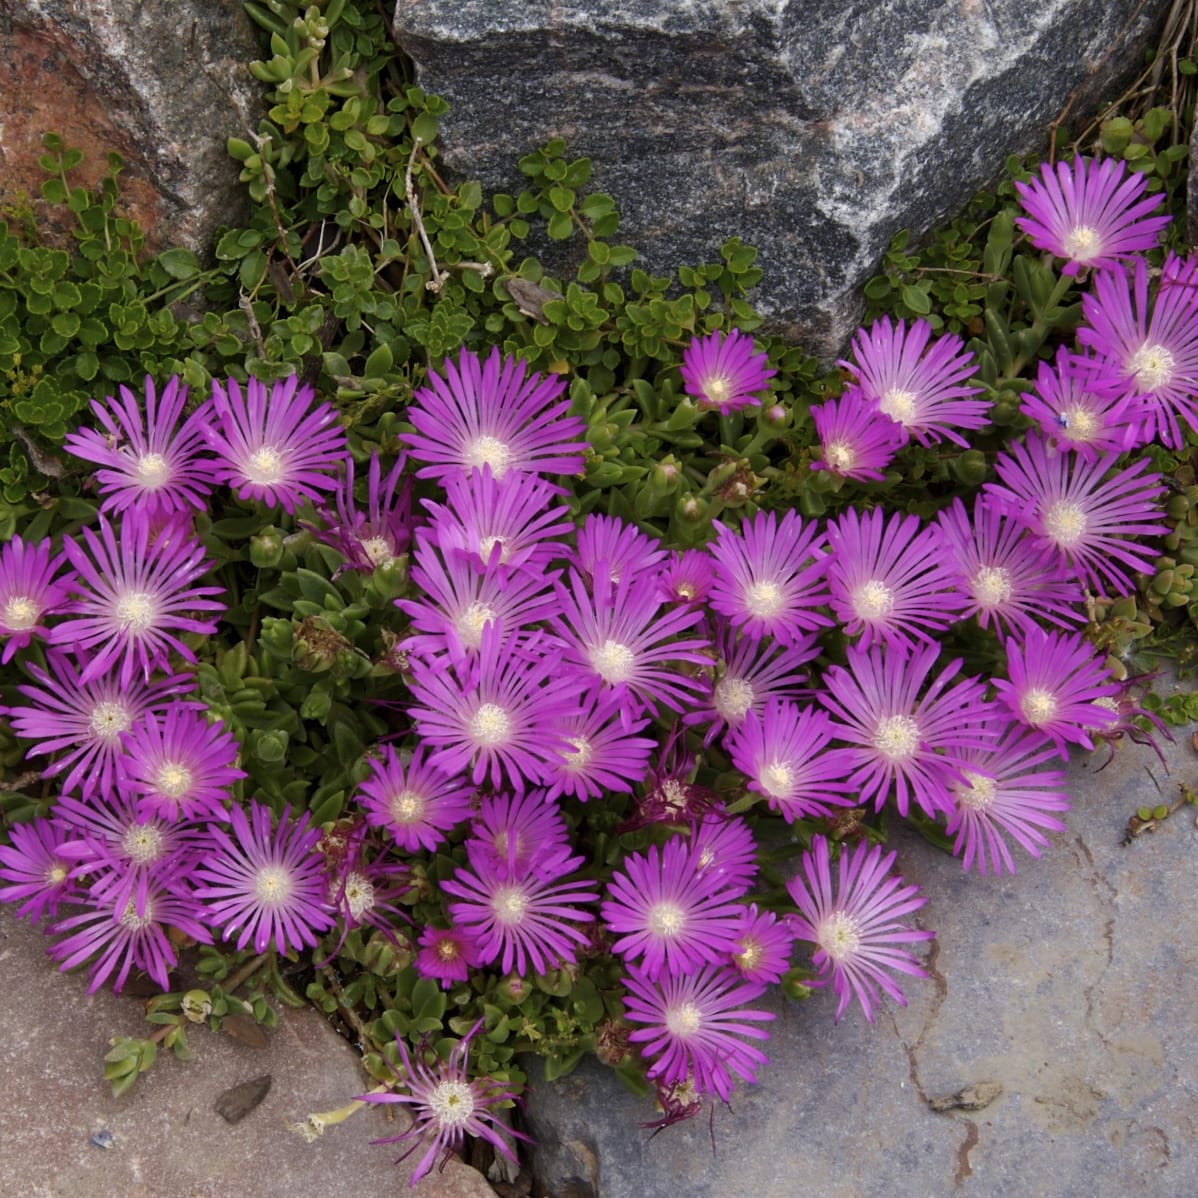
(813,131)
(1070,986)
(162,82)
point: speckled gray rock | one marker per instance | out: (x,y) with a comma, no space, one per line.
(162,82)
(811,130)
(1070,986)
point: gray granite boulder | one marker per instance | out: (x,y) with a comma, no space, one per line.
(812,130)
(1055,1034)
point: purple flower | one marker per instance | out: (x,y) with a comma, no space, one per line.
(902,740)
(150,461)
(697,1025)
(785,755)
(494,415)
(416,802)
(687,578)
(608,544)
(1082,404)
(1009,577)
(670,795)
(762,951)
(266,886)
(857,439)
(520,834)
(181,769)
(770,576)
(1073,506)
(667,914)
(447,954)
(273,445)
(36,871)
(382,533)
(87,719)
(1089,212)
(490,714)
(722,371)
(1057,686)
(725,852)
(856,931)
(446,1106)
(921,390)
(28,592)
(135,596)
(1151,342)
(521,917)
(1003,791)
(890,579)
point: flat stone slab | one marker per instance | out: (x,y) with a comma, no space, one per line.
(167,1141)
(1070,985)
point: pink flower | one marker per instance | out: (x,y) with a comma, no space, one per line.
(28,592)
(857,439)
(416,802)
(722,371)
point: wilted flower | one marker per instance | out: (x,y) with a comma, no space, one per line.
(380,534)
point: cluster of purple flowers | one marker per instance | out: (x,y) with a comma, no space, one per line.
(550,658)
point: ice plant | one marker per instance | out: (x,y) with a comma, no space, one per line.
(856,929)
(272,444)
(446,1106)
(1082,404)
(29,591)
(446,954)
(608,543)
(762,950)
(34,871)
(722,371)
(697,1025)
(918,381)
(493,414)
(520,833)
(266,886)
(380,534)
(135,597)
(414,801)
(151,456)
(857,439)
(1091,212)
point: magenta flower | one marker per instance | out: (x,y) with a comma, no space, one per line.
(669,795)
(1082,404)
(119,938)
(264,885)
(380,534)
(857,439)
(697,1025)
(87,718)
(619,636)
(666,914)
(181,769)
(1058,685)
(520,834)
(446,1106)
(770,576)
(1009,577)
(785,755)
(150,459)
(495,415)
(1089,212)
(917,381)
(135,597)
(890,579)
(274,445)
(725,852)
(489,714)
(1003,791)
(34,871)
(28,592)
(763,946)
(416,802)
(903,742)
(686,578)
(447,955)
(722,371)
(609,544)
(856,931)
(1087,517)
(521,918)
(1151,341)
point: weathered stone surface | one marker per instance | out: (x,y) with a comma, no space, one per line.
(1070,986)
(812,130)
(165,1138)
(162,82)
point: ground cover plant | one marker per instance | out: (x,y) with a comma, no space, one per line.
(518,664)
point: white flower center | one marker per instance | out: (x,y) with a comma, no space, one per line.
(452,1103)
(1065,522)
(839,935)
(20,612)
(1082,243)
(978,793)
(509,904)
(716,389)
(142,843)
(272,885)
(992,586)
(469,624)
(264,467)
(109,719)
(173,779)
(1038,705)
(764,599)
(490,725)
(748,956)
(842,457)
(359,894)
(581,755)
(489,451)
(406,806)
(612,661)
(896,737)
(378,550)
(1080,424)
(135,611)
(153,471)
(777,778)
(899,405)
(684,1019)
(732,698)
(873,600)
(1153,367)
(666,919)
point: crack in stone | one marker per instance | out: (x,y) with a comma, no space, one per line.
(964,1168)
(1099,884)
